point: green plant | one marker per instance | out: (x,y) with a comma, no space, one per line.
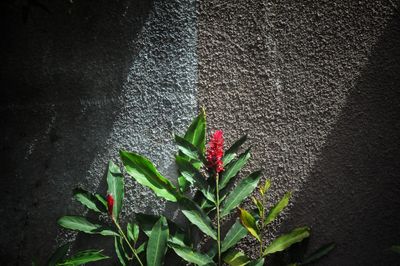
(210,172)
(256,223)
(205,194)
(59,257)
(111,205)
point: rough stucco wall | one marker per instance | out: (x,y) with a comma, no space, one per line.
(315,84)
(78,84)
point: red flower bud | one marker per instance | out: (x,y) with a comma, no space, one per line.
(215,151)
(110,204)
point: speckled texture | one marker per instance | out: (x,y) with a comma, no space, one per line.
(78,84)
(315,84)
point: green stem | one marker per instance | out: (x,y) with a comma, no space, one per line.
(262,226)
(127,241)
(218,219)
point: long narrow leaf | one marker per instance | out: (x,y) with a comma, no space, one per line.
(141,248)
(318,254)
(276,210)
(259,262)
(78,223)
(119,251)
(230,154)
(58,255)
(89,200)
(146,223)
(144,172)
(84,257)
(249,222)
(234,235)
(133,231)
(233,168)
(188,149)
(197,217)
(286,240)
(190,172)
(236,258)
(192,175)
(259,206)
(115,182)
(191,256)
(241,191)
(157,244)
(196,133)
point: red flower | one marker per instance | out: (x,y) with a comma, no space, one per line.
(110,204)
(215,151)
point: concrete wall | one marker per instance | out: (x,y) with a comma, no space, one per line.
(315,85)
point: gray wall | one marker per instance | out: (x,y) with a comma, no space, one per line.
(315,85)
(78,84)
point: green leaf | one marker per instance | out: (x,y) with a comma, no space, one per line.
(84,257)
(89,200)
(157,244)
(259,262)
(103,201)
(141,248)
(119,251)
(133,231)
(144,172)
(58,255)
(115,182)
(277,208)
(191,256)
(197,217)
(196,133)
(188,149)
(78,223)
(233,168)
(249,222)
(286,240)
(146,222)
(183,184)
(319,253)
(264,189)
(192,175)
(240,192)
(236,258)
(178,238)
(230,154)
(259,206)
(234,235)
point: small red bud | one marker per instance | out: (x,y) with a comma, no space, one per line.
(110,204)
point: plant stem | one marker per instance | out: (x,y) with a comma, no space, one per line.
(127,241)
(218,221)
(262,226)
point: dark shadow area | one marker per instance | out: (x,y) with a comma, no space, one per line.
(354,188)
(64,64)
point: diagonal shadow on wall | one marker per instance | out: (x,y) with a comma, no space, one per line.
(63,70)
(352,196)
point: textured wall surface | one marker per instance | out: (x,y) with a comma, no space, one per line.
(316,85)
(79,83)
